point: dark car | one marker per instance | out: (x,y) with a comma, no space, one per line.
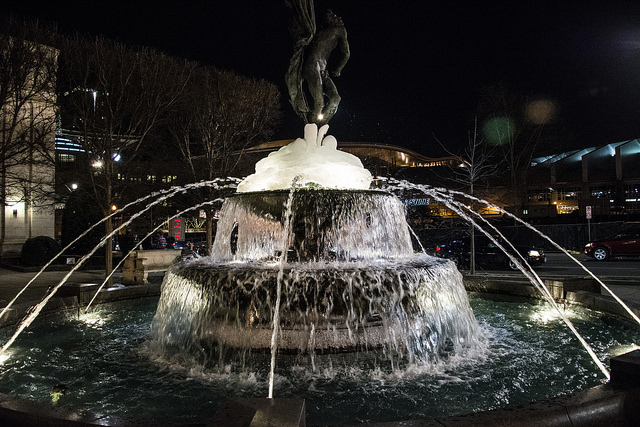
(181,244)
(622,244)
(488,254)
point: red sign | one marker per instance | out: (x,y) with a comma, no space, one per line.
(177,229)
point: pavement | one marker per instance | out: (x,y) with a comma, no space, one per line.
(12,282)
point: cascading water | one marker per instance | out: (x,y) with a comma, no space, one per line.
(352,281)
(347,275)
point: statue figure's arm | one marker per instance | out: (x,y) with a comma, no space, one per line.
(345,53)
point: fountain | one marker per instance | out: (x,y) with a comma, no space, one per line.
(327,279)
(313,290)
(343,258)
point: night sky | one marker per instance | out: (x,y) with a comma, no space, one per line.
(417,68)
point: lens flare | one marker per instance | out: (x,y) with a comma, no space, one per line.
(499,130)
(541,112)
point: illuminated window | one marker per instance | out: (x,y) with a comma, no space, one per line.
(539,195)
(632,195)
(601,191)
(66,158)
(569,194)
(169,179)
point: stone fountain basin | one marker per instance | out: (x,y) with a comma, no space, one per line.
(614,403)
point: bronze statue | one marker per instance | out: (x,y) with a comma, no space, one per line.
(310,60)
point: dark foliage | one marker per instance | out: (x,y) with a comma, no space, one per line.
(38,251)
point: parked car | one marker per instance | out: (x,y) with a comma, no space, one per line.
(622,244)
(488,254)
(181,244)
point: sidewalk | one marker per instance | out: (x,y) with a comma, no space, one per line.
(12,282)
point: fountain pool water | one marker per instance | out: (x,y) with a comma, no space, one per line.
(109,366)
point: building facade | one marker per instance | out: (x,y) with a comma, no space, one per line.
(28,122)
(603,180)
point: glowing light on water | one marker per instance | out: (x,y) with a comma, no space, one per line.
(160,196)
(430,190)
(546,315)
(92,319)
(444,196)
(355,390)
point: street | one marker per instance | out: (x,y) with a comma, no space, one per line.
(562,265)
(622,276)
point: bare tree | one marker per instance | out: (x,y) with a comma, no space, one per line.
(478,164)
(224,114)
(115,96)
(28,66)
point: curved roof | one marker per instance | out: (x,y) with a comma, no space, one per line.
(392,154)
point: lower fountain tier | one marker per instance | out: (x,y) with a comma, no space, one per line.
(417,305)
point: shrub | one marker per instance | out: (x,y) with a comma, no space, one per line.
(38,251)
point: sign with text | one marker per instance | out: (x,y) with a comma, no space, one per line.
(176,229)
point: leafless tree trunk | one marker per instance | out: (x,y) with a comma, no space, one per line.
(479,164)
(115,97)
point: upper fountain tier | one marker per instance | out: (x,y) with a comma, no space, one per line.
(314,161)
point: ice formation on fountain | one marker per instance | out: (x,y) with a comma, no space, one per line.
(314,160)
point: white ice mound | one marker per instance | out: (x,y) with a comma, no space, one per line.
(314,160)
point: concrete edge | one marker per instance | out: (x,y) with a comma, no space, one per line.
(72,296)
(582,292)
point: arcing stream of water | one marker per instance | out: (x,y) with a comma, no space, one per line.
(444,196)
(440,194)
(161,196)
(283,261)
(105,361)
